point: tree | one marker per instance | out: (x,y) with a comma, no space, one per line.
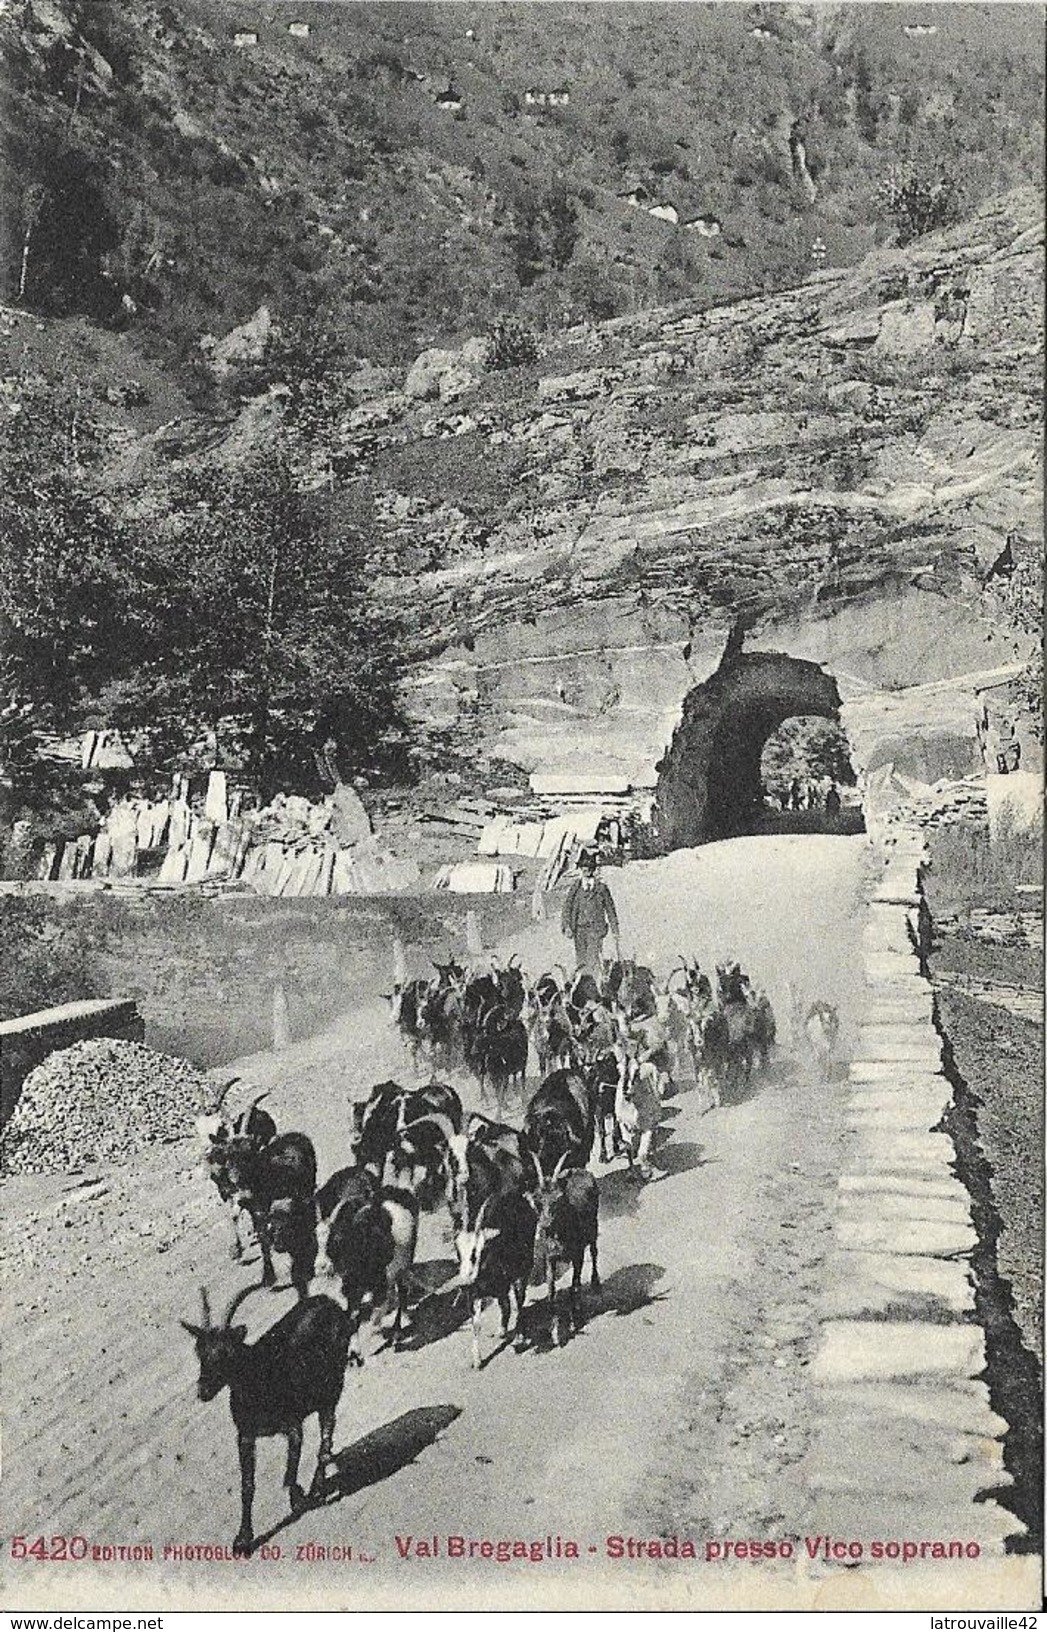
(32,203)
(49,958)
(63,565)
(807,747)
(312,356)
(1017,599)
(510,344)
(255,628)
(67,228)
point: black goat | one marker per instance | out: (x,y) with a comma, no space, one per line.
(291,1227)
(602,1077)
(495,1254)
(379,1120)
(551,1030)
(373,1122)
(408,1006)
(558,1121)
(490,1170)
(283,1169)
(294,1370)
(500,1053)
(355,1185)
(481,995)
(369,1247)
(568,1224)
(442,1015)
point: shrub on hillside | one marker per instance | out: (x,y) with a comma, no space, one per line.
(511,345)
(920,201)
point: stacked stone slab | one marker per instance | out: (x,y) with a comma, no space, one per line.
(292,848)
(907,1444)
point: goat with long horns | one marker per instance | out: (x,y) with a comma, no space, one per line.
(294,1370)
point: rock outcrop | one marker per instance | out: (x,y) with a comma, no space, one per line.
(247,343)
(840,460)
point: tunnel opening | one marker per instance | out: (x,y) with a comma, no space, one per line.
(808,781)
(713,782)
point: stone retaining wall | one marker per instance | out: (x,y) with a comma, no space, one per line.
(908,1445)
(27,1040)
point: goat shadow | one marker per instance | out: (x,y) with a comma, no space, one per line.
(679,1156)
(621,1188)
(440,1311)
(625,1292)
(743,1089)
(379,1455)
(681,1086)
(629,1290)
(390,1448)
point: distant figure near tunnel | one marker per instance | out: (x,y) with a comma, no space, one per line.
(710,784)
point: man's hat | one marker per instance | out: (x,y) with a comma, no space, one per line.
(587,862)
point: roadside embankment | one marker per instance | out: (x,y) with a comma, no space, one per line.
(924,1425)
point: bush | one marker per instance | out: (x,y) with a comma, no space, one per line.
(920,201)
(511,345)
(47,960)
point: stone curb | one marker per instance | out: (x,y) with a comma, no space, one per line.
(868,1285)
(907,1442)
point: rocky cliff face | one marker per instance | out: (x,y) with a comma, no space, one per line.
(842,464)
(566,543)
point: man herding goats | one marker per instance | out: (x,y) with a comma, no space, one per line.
(588,914)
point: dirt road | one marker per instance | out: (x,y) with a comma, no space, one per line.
(680,1408)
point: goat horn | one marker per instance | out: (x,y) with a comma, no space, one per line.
(205,1306)
(558,1169)
(541,1171)
(244,1292)
(230,1083)
(258,1098)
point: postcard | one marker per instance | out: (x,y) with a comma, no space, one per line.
(521,805)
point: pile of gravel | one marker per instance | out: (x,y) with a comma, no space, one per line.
(102,1100)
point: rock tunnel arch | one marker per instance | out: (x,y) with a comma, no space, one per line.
(709,781)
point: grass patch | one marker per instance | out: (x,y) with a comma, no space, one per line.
(971,869)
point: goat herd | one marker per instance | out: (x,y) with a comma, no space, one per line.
(521,1199)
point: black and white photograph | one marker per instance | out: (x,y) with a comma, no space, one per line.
(521,805)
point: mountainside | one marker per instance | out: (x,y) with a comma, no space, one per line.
(279,540)
(850,467)
(403,173)
(842,466)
